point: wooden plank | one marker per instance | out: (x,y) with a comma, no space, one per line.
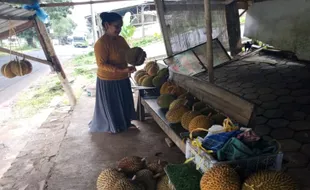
(18,1)
(15,17)
(209,49)
(78,3)
(164,28)
(233,28)
(51,55)
(26,56)
(152,107)
(18,29)
(220,99)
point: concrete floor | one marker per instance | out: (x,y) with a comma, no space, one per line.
(279,88)
(82,155)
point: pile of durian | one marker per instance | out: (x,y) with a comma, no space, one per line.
(186,109)
(134,173)
(151,75)
(223,177)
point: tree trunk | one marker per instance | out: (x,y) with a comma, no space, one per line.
(31,43)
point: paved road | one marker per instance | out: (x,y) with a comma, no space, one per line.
(11,87)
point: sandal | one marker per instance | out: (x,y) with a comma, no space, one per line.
(132,126)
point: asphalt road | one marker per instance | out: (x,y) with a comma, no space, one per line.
(9,88)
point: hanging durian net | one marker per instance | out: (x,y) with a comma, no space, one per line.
(186,23)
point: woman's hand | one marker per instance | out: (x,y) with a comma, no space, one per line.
(129,69)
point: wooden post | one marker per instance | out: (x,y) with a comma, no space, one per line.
(164,28)
(209,49)
(233,28)
(51,56)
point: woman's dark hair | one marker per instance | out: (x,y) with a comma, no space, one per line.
(109,17)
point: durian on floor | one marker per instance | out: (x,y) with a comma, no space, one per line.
(133,173)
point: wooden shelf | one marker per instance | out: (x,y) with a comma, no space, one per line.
(172,130)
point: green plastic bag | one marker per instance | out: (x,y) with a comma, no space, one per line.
(234,149)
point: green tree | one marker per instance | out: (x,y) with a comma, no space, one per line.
(29,35)
(55,13)
(62,28)
(128,29)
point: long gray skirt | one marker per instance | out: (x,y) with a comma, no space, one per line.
(114,108)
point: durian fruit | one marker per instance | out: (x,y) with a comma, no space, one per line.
(152,70)
(165,87)
(270,180)
(199,106)
(163,72)
(157,167)
(165,100)
(158,81)
(108,178)
(140,71)
(147,81)
(220,177)
(175,115)
(148,65)
(218,119)
(187,96)
(208,111)
(131,164)
(20,68)
(176,103)
(6,70)
(126,184)
(176,90)
(187,118)
(27,65)
(141,79)
(200,121)
(139,74)
(163,183)
(135,56)
(146,178)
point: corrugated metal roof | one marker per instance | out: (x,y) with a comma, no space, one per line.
(9,16)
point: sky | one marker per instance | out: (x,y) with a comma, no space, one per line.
(80,11)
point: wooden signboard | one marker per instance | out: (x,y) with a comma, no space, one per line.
(192,61)
(220,55)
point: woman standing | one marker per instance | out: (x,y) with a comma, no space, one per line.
(114,107)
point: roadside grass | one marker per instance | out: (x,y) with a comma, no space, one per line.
(37,97)
(146,40)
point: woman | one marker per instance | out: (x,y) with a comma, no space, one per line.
(114,107)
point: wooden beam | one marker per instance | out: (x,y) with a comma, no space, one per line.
(78,3)
(18,29)
(209,49)
(24,55)
(233,28)
(15,17)
(51,55)
(220,99)
(164,28)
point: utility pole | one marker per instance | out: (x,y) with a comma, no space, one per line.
(93,20)
(142,20)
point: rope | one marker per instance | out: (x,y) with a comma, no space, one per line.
(11,33)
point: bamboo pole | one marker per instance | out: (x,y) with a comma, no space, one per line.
(209,49)
(25,56)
